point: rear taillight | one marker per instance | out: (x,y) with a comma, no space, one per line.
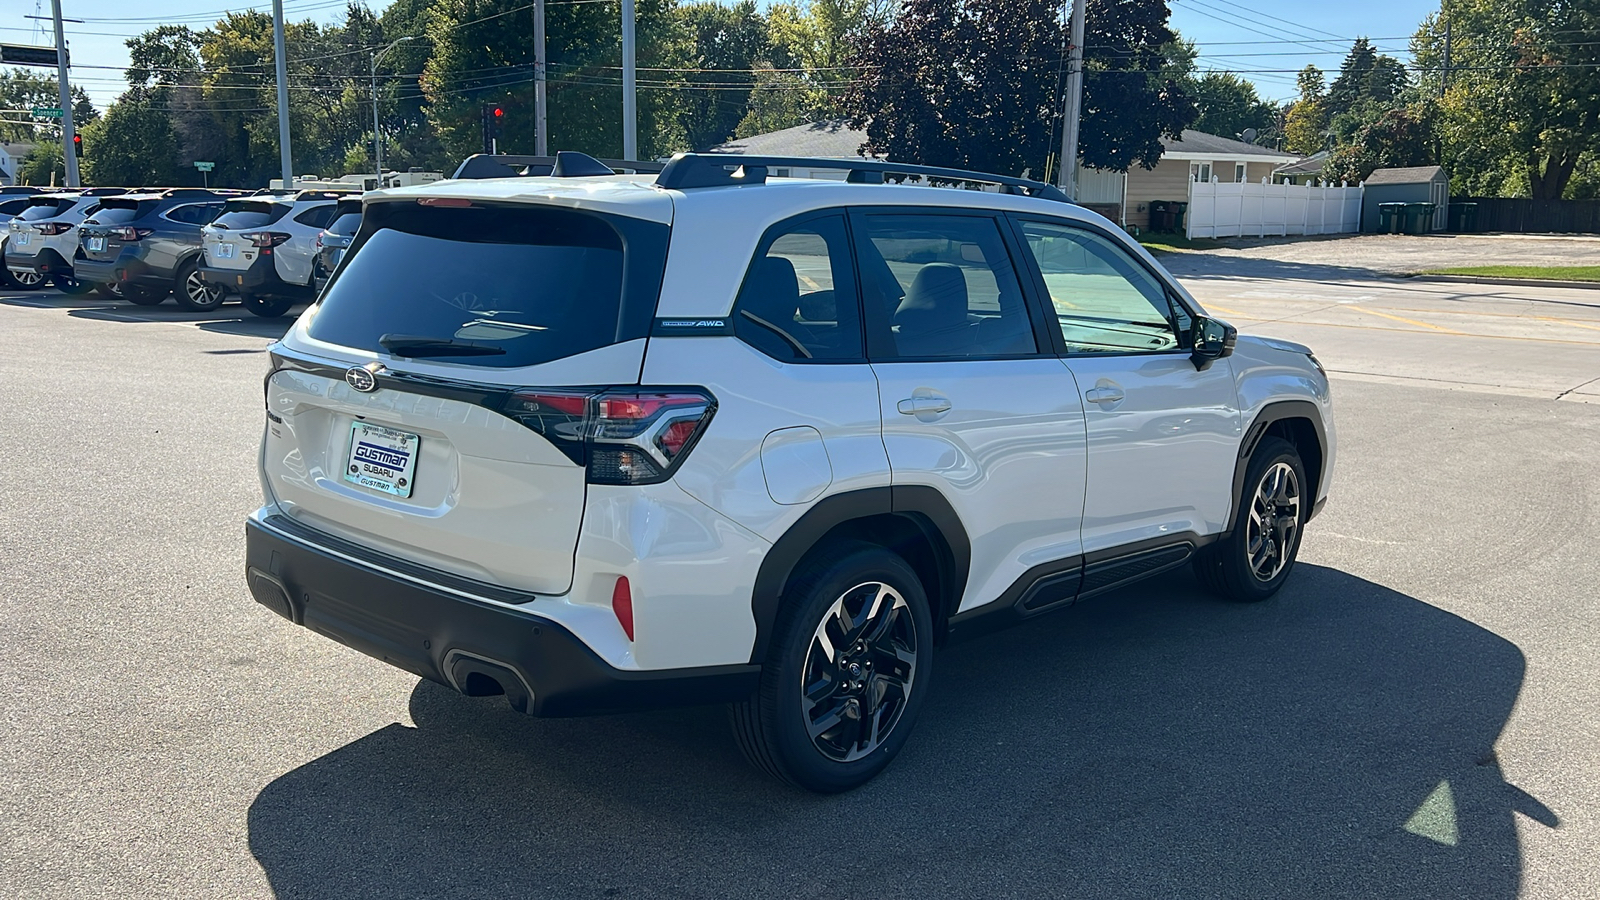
(130,233)
(53,228)
(265,240)
(623,436)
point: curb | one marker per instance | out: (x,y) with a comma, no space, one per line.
(1514,282)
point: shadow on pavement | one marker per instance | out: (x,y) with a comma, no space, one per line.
(1336,741)
(230,318)
(1214,265)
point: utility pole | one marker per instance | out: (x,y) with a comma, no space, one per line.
(283,95)
(541,138)
(1444,82)
(630,98)
(1074,105)
(377,137)
(69,153)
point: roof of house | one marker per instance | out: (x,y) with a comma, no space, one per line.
(1310,165)
(1199,145)
(829,139)
(1411,175)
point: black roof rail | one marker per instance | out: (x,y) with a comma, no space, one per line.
(695,170)
(565,164)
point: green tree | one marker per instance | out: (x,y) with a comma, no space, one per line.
(978,84)
(1522,108)
(1228,105)
(43,166)
(1401,137)
(1305,124)
(25,89)
(729,43)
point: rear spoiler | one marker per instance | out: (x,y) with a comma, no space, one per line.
(565,164)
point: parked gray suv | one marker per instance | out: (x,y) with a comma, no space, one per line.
(148,245)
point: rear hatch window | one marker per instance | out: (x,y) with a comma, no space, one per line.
(119,212)
(239,214)
(345,224)
(49,209)
(498,286)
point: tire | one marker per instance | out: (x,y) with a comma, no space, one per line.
(114,291)
(266,307)
(23,281)
(193,292)
(881,679)
(69,285)
(1253,562)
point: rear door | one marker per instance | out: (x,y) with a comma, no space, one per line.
(1162,435)
(452,317)
(974,403)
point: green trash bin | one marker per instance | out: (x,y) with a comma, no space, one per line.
(1179,207)
(1390,217)
(1466,216)
(1419,217)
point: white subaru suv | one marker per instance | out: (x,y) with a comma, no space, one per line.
(262,248)
(600,442)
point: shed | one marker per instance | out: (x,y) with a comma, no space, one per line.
(1417,184)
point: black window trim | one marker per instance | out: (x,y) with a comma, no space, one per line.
(880,338)
(784,227)
(1036,276)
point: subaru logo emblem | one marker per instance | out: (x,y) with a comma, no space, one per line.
(363,378)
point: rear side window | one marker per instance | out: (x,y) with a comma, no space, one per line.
(946,286)
(317,216)
(246,214)
(798,301)
(498,286)
(117,215)
(193,213)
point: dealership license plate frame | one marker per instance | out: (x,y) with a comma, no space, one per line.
(382,459)
(224,251)
(95,244)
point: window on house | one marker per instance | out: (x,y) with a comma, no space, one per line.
(1200,171)
(1238,171)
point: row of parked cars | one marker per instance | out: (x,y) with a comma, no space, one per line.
(270,249)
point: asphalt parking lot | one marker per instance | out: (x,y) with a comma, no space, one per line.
(1416,715)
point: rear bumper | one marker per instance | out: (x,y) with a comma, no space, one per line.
(103,272)
(463,643)
(260,276)
(44,262)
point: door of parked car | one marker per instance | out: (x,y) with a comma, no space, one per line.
(974,401)
(1162,433)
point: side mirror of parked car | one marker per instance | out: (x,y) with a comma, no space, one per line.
(1213,340)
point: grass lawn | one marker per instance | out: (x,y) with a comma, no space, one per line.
(1555,273)
(1174,243)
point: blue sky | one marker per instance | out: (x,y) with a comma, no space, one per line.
(1266,42)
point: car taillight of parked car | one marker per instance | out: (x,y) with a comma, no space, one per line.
(52,228)
(319,239)
(130,233)
(264,240)
(632,436)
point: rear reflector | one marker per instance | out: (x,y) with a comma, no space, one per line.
(622,605)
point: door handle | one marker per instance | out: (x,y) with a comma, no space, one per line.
(923,405)
(1103,394)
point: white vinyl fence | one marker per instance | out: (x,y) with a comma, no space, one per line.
(1246,209)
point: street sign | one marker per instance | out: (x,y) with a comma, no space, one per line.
(28,55)
(205,166)
(48,112)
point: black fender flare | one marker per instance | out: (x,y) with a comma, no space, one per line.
(1274,411)
(924,503)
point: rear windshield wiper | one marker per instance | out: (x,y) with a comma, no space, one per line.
(418,345)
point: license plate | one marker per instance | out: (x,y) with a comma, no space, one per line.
(95,244)
(23,239)
(224,251)
(382,459)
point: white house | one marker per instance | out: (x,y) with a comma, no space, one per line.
(1126,198)
(11,157)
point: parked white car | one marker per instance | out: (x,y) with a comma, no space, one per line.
(43,238)
(263,247)
(602,442)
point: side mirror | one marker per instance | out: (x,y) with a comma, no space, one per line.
(1213,340)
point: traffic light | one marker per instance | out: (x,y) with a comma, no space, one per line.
(493,117)
(77,145)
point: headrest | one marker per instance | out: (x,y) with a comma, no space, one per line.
(937,299)
(773,291)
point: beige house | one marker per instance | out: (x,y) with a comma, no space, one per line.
(1197,157)
(1121,198)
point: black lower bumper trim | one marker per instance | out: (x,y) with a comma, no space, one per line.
(465,644)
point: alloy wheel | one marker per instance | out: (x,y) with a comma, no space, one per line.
(1274,521)
(199,291)
(859,671)
(28,280)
